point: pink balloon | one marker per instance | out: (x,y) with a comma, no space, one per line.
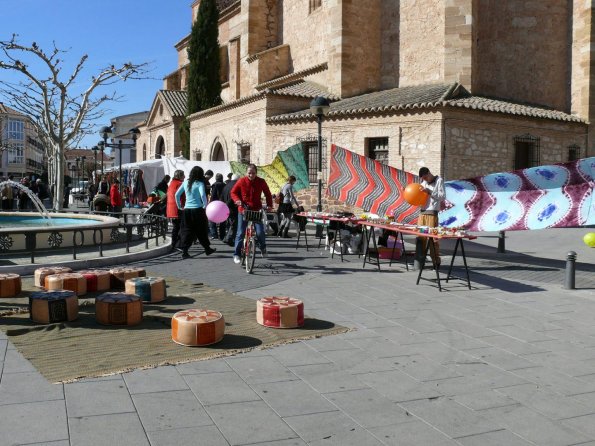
(217,211)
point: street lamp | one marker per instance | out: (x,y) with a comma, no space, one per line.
(101,146)
(106,132)
(83,158)
(78,159)
(319,107)
(95,149)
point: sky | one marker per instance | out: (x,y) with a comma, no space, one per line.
(110,32)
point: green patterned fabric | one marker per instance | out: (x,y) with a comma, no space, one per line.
(287,162)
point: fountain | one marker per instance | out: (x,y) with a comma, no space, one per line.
(34,198)
(23,230)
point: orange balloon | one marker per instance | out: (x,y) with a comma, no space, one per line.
(414,195)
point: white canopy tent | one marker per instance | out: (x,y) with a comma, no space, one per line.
(153,171)
(170,165)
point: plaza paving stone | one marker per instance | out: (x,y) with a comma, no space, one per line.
(509,362)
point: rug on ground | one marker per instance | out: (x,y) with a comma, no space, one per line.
(80,349)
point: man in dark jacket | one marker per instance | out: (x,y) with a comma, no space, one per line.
(232,220)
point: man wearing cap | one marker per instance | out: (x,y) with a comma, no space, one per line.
(232,220)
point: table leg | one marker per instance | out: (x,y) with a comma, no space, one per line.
(423,262)
(392,253)
(465,262)
(367,237)
(452,259)
(404,254)
(433,257)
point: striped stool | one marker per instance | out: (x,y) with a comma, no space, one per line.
(118,309)
(119,276)
(48,307)
(197,327)
(42,273)
(97,279)
(280,312)
(10,285)
(67,281)
(150,289)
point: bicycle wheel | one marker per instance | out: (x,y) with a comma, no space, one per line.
(250,254)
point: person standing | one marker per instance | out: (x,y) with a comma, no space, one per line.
(115,197)
(103,187)
(172,212)
(207,181)
(285,208)
(217,230)
(247,192)
(229,175)
(163,184)
(433,185)
(7,197)
(194,217)
(232,220)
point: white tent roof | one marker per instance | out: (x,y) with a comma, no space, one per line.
(153,171)
(170,165)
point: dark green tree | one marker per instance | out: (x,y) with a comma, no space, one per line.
(204,81)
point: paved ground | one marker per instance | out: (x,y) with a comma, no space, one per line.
(510,362)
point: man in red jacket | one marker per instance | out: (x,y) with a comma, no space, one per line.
(248,192)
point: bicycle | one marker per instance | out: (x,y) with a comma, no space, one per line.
(248,252)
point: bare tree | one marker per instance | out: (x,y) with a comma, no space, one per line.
(61,115)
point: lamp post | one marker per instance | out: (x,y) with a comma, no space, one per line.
(94,149)
(319,107)
(101,146)
(105,133)
(78,160)
(83,158)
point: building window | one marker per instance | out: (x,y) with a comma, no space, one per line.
(244,153)
(224,69)
(574,152)
(377,149)
(16,130)
(314,5)
(526,151)
(310,148)
(15,153)
(144,152)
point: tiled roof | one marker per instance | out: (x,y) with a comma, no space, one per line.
(500,106)
(175,101)
(304,89)
(4,109)
(424,97)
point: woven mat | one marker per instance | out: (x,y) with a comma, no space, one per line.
(70,351)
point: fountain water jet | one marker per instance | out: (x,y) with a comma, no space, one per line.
(34,198)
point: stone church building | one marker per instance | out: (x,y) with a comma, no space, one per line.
(465,87)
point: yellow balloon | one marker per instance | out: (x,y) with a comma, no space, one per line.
(589,239)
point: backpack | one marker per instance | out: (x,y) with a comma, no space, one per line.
(279,198)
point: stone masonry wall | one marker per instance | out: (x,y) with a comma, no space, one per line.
(389,44)
(458,42)
(523,51)
(481,143)
(421,43)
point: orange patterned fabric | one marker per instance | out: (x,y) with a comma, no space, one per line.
(10,285)
(67,281)
(42,273)
(118,309)
(48,307)
(197,327)
(280,312)
(121,275)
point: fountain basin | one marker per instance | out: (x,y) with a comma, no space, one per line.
(19,230)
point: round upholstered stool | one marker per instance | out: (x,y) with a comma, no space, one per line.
(280,312)
(197,327)
(10,285)
(97,279)
(118,309)
(150,289)
(119,276)
(48,307)
(42,273)
(67,281)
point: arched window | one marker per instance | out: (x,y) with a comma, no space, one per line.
(218,153)
(160,149)
(144,152)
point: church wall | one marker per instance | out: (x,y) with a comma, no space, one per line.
(481,143)
(523,51)
(389,44)
(421,46)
